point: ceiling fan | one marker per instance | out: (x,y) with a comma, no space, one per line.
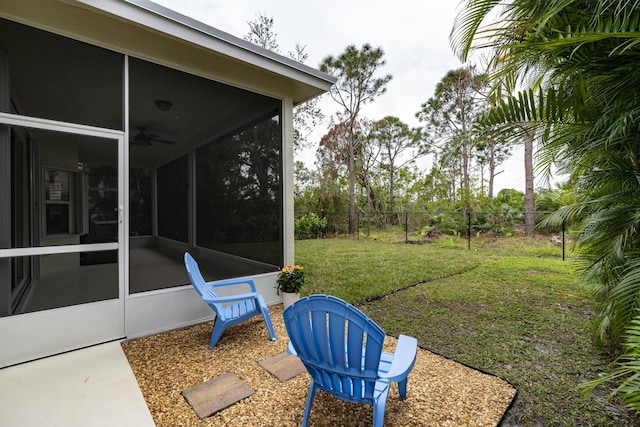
(143,139)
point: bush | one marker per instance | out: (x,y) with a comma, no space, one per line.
(310,226)
(451,223)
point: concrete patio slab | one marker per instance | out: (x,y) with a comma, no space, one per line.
(92,387)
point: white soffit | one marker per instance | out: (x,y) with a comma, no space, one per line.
(172,23)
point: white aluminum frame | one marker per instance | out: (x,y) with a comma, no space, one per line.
(38,334)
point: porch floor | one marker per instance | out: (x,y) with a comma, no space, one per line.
(92,387)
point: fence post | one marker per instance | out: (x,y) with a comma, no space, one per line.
(469,230)
(357,225)
(406,226)
(563,239)
(368,223)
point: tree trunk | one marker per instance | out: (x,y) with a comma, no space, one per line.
(391,195)
(352,191)
(492,169)
(528,178)
(466,193)
(352,180)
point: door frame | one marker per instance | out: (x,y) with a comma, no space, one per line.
(38,334)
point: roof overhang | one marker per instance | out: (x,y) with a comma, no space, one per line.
(149,31)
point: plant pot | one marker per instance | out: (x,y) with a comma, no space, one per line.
(289,298)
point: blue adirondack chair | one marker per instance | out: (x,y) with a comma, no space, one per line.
(230,310)
(342,351)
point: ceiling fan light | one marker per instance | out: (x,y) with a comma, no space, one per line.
(163,105)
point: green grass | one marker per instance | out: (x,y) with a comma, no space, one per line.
(360,270)
(523,318)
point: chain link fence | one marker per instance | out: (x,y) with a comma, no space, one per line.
(476,231)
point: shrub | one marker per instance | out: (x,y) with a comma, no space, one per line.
(451,223)
(310,226)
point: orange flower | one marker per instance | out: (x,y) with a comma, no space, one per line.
(290,279)
(291,268)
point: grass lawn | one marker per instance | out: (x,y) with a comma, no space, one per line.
(522,318)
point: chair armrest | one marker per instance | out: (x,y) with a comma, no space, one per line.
(403,359)
(230,298)
(233,282)
(291,350)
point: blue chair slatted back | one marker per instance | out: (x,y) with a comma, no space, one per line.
(339,345)
(198,282)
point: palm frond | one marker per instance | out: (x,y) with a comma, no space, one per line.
(625,370)
(468,23)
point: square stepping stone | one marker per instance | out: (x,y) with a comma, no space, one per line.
(216,394)
(283,366)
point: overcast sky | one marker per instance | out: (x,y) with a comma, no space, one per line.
(414,35)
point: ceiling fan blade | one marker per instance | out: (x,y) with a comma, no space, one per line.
(139,142)
(144,139)
(163,141)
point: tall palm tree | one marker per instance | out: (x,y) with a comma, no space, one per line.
(578,66)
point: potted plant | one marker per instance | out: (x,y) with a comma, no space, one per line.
(290,280)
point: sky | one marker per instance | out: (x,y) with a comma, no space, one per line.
(414,35)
